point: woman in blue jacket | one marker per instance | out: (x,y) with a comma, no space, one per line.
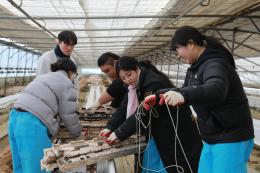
(36,116)
(212,86)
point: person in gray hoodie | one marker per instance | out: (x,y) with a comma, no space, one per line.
(46,102)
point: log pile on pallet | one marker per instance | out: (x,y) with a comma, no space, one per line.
(92,123)
(73,154)
(82,153)
(91,130)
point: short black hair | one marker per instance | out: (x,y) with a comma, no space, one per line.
(107,58)
(68,37)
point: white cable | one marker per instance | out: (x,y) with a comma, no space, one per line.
(195,117)
(178,136)
(138,114)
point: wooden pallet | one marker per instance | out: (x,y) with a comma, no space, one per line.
(81,153)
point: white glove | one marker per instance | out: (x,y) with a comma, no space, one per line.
(95,106)
(173,98)
(112,139)
(105,133)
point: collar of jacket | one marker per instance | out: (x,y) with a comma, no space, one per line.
(210,53)
(63,72)
(141,78)
(59,53)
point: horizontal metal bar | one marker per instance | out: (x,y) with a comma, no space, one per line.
(19,47)
(124,46)
(83,29)
(240,71)
(79,47)
(125,29)
(97,42)
(127,17)
(108,47)
(112,36)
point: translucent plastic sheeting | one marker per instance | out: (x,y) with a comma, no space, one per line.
(90,48)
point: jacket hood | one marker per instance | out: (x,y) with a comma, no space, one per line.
(210,53)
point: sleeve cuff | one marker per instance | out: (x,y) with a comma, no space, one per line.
(119,135)
(110,127)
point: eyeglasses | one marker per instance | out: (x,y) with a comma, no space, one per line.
(76,75)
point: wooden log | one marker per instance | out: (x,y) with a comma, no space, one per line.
(82,153)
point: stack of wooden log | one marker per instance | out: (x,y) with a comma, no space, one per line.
(82,153)
(92,124)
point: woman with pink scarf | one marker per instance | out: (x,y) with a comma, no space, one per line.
(143,80)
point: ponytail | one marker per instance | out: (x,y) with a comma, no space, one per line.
(214,43)
(148,65)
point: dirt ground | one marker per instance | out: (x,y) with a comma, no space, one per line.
(5,155)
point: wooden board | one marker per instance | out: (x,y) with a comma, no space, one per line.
(82,153)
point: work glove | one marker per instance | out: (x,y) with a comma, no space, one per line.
(112,139)
(149,102)
(172,98)
(105,133)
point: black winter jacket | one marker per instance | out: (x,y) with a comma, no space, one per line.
(212,86)
(161,127)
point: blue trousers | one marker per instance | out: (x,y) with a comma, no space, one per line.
(225,157)
(28,136)
(151,159)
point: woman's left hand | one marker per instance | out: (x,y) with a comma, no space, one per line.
(173,98)
(149,102)
(112,139)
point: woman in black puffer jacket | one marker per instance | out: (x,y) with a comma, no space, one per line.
(145,79)
(212,86)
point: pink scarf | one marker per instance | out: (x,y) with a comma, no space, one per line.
(132,101)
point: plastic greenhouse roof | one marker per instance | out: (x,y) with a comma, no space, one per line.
(140,28)
(89,47)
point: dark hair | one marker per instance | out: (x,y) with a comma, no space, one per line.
(68,37)
(64,64)
(188,34)
(129,63)
(147,64)
(126,63)
(107,58)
